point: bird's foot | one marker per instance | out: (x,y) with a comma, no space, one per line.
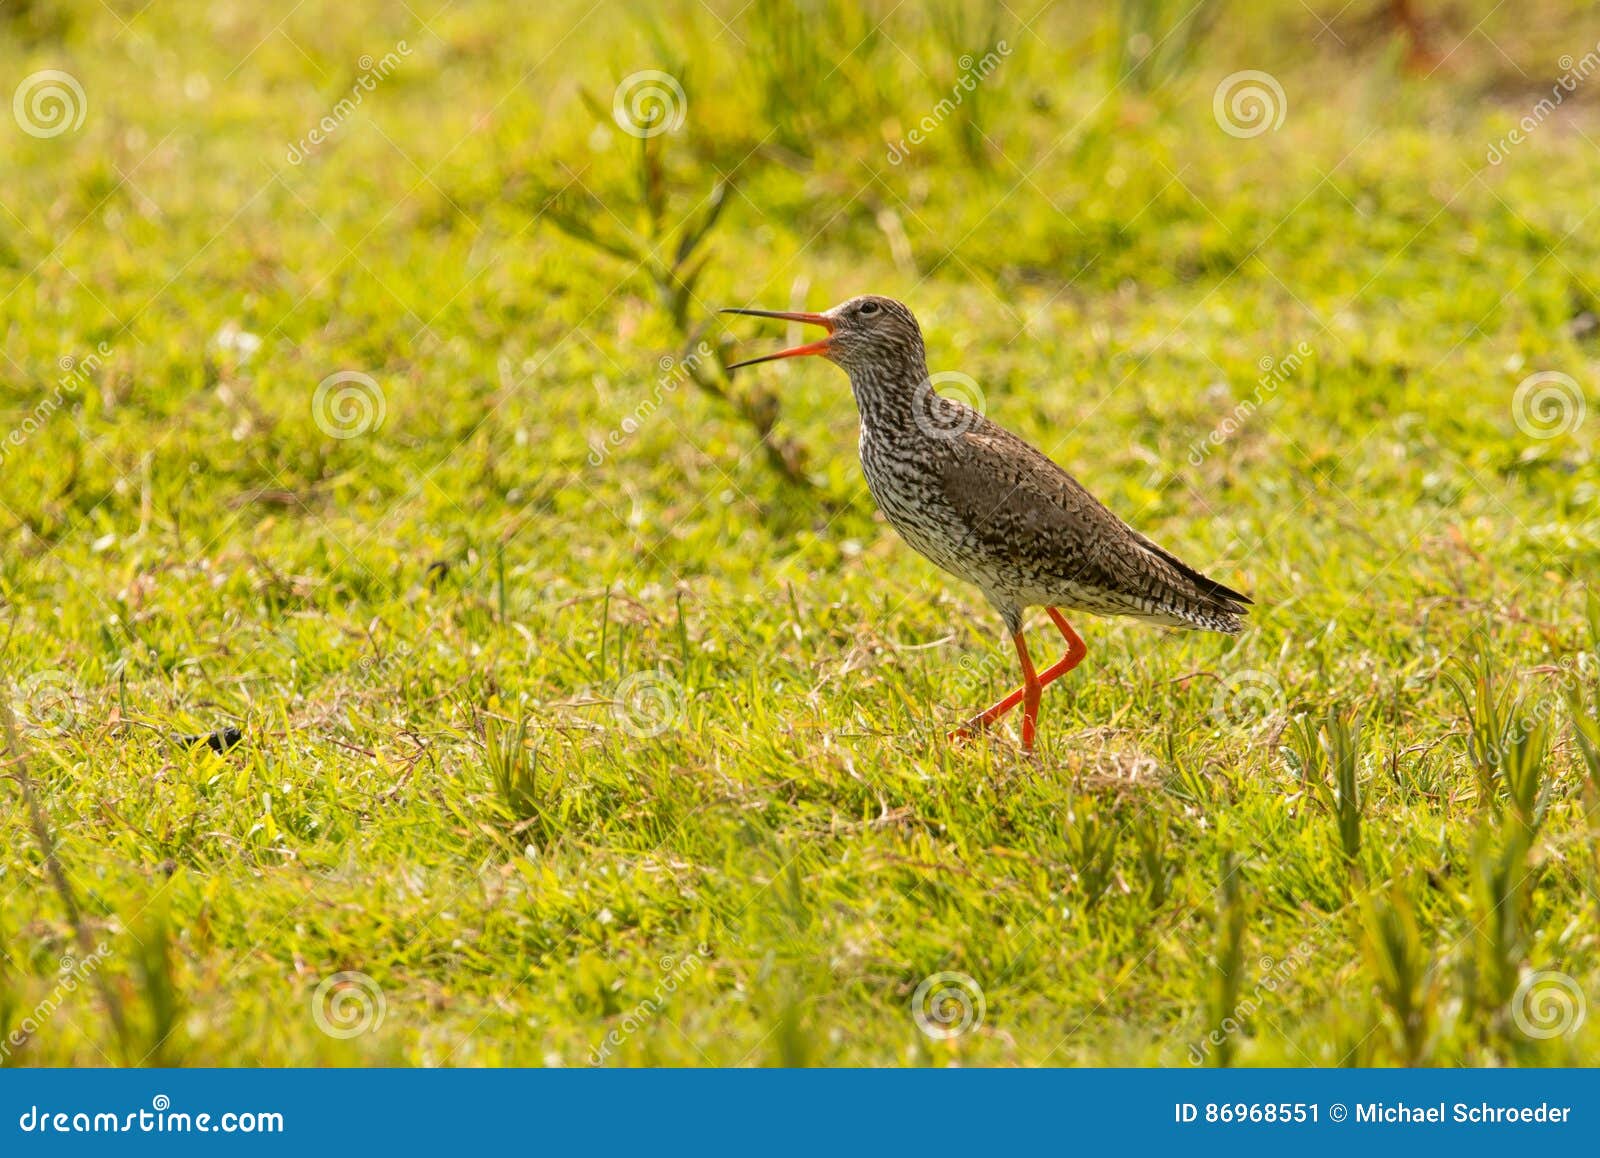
(971,730)
(979,726)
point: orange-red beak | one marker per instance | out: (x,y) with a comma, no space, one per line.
(818,347)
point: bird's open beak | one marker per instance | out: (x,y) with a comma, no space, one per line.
(818,347)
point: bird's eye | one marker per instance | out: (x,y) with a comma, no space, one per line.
(868,308)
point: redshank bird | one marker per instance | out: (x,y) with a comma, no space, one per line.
(990,508)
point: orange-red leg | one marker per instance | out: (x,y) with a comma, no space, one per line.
(1031,687)
(1032,684)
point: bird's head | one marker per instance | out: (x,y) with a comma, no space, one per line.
(866,333)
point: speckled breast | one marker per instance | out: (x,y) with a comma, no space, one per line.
(907,490)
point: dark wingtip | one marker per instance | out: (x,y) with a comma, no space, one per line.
(1218,591)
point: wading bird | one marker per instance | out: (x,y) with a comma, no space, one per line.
(989,508)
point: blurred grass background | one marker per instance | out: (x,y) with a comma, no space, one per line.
(589,711)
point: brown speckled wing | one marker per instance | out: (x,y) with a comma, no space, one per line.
(1036,523)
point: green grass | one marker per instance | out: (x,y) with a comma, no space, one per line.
(637,756)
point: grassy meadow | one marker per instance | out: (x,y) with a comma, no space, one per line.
(362,391)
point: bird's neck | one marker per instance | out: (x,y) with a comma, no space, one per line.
(886,393)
